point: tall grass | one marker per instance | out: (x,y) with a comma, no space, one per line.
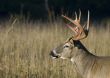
(25,47)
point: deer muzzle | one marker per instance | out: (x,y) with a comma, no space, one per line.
(53,54)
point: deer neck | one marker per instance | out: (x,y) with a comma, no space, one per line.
(82,58)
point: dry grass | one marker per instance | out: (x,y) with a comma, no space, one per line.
(25,47)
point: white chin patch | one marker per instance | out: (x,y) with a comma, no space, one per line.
(72,60)
(53,57)
(62,57)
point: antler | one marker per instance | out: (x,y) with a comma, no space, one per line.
(80,32)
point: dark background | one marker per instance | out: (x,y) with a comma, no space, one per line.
(36,9)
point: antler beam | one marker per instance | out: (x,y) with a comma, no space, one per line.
(80,32)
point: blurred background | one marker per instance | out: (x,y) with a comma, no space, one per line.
(41,9)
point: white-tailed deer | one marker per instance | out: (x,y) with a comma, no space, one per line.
(87,64)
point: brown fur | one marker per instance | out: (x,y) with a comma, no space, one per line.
(87,64)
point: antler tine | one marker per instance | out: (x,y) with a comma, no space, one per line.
(76,16)
(68,19)
(73,21)
(88,21)
(79,16)
(86,26)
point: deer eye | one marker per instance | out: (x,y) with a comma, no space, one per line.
(66,46)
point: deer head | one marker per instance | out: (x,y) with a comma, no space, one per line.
(68,48)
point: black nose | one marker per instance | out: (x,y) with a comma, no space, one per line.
(53,54)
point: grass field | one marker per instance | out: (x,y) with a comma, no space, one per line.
(25,48)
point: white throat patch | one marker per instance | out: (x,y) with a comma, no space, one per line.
(72,60)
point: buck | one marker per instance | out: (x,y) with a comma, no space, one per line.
(86,63)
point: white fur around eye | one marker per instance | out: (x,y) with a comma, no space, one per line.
(66,45)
